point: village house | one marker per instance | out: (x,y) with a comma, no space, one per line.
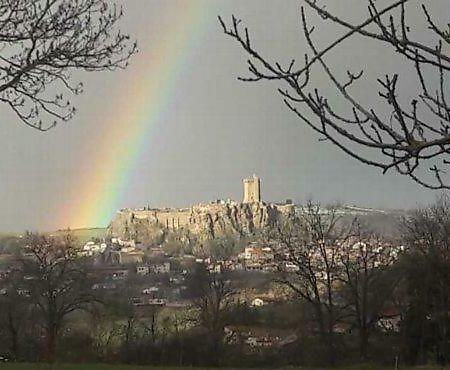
(290,267)
(259,337)
(92,249)
(109,272)
(124,243)
(4,273)
(258,254)
(258,258)
(156,302)
(163,268)
(151,290)
(145,269)
(142,270)
(257,302)
(105,286)
(264,299)
(142,301)
(119,274)
(390,319)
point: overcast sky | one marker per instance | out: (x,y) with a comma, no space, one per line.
(217,131)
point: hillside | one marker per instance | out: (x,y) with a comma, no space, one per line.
(85,234)
(203,221)
(385,222)
(10,242)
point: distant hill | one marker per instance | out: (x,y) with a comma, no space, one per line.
(84,235)
(10,242)
(386,222)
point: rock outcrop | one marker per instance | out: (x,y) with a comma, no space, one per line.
(203,222)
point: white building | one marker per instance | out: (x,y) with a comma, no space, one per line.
(92,249)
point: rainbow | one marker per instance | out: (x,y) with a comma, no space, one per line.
(152,85)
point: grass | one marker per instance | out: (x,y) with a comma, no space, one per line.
(27,366)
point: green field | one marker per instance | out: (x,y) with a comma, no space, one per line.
(90,367)
(25,366)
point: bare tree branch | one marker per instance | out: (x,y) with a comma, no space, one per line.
(43,41)
(413,138)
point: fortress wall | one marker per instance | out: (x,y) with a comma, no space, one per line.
(286,209)
(173,219)
(141,215)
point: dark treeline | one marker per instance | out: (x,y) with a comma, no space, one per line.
(349,296)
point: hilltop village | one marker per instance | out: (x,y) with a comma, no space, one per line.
(154,244)
(204,221)
(165,266)
(159,249)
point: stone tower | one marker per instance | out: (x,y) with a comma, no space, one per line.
(252,189)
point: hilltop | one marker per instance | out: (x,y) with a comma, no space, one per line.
(203,221)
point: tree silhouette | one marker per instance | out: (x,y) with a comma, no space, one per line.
(43,41)
(367,279)
(313,246)
(410,137)
(58,283)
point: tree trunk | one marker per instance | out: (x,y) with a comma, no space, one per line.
(52,335)
(128,338)
(215,348)
(326,334)
(14,337)
(363,343)
(330,332)
(331,347)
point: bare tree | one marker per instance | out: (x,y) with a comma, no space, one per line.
(367,280)
(15,311)
(105,336)
(409,137)
(310,252)
(57,282)
(213,296)
(43,42)
(427,278)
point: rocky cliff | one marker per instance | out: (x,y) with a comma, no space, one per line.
(201,221)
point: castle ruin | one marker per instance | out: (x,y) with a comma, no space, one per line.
(252,189)
(206,221)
